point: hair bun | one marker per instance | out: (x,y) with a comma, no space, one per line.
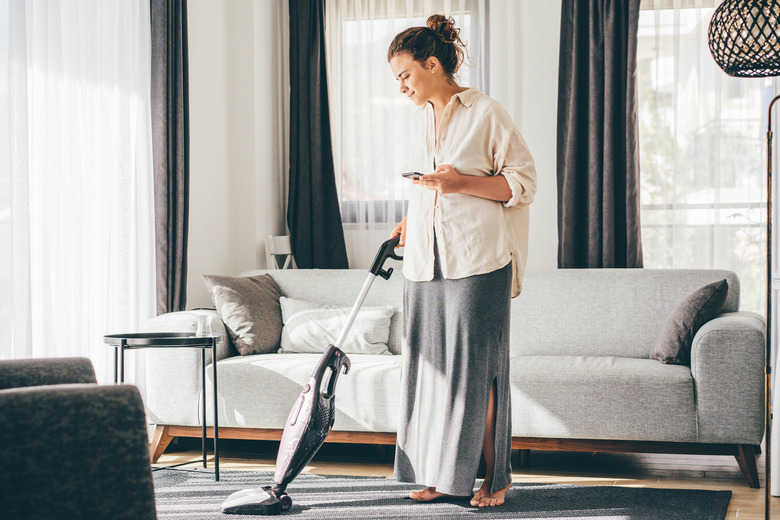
(444,27)
(439,38)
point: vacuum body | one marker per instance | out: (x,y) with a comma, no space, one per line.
(309,423)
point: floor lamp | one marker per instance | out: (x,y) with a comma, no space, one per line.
(744,39)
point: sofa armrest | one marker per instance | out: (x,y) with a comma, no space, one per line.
(15,373)
(727,363)
(173,376)
(75,451)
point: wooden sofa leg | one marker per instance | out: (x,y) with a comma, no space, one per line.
(746,458)
(160,441)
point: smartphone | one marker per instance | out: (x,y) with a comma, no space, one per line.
(412,175)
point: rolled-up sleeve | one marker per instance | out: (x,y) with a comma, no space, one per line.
(513,160)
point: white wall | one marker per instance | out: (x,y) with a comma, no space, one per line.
(239,89)
(237,136)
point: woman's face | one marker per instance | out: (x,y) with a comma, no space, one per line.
(417,81)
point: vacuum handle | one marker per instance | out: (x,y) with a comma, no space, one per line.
(386,250)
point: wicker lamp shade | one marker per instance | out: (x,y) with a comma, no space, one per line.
(744,37)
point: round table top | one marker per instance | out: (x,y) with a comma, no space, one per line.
(161,339)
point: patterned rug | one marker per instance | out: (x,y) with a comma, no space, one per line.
(194,495)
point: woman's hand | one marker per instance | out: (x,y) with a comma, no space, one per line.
(400,229)
(444,180)
(447,180)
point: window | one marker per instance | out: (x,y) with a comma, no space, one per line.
(702,153)
(373,126)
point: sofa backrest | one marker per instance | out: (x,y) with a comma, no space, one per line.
(579,312)
(603,312)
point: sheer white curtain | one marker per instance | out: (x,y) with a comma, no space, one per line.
(76,210)
(373,125)
(702,151)
(703,156)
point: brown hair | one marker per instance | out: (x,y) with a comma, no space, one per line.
(440,39)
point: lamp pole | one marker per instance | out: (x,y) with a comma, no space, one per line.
(768,364)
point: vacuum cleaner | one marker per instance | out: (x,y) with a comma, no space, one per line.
(312,414)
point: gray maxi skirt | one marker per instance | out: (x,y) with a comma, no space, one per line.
(456,345)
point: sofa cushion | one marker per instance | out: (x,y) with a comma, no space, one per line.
(310,327)
(249,307)
(673,345)
(259,391)
(588,397)
(552,396)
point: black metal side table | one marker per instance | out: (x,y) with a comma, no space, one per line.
(133,341)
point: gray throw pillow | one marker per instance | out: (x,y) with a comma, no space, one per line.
(310,327)
(249,306)
(673,345)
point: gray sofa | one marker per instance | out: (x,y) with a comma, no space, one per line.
(582,378)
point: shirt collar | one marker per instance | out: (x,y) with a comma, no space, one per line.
(468,96)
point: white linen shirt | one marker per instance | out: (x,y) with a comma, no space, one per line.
(474,235)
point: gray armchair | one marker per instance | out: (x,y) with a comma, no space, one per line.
(69,448)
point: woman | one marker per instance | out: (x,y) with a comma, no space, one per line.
(464,239)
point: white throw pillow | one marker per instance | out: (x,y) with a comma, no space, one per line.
(310,327)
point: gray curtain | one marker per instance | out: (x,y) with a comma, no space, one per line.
(171,156)
(598,148)
(313,215)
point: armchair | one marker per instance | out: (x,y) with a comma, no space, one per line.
(71,449)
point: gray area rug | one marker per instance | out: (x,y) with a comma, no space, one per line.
(194,495)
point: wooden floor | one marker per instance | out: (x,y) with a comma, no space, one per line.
(605,469)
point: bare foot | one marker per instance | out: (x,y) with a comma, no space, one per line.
(426,495)
(429,494)
(484,498)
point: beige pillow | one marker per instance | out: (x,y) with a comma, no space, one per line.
(249,306)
